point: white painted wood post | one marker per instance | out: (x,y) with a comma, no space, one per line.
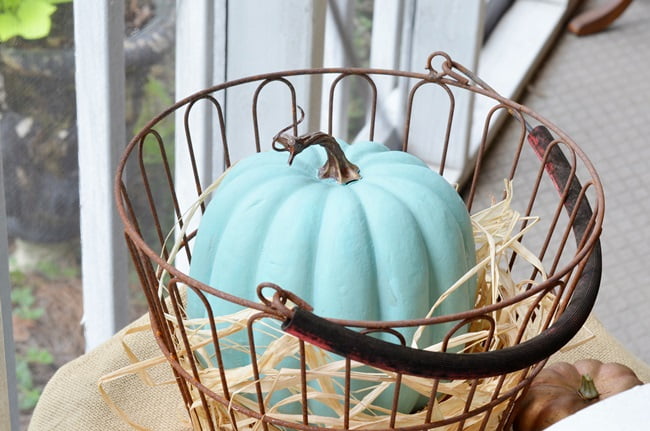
(265,37)
(219,64)
(511,55)
(200,57)
(335,55)
(457,29)
(390,47)
(100,75)
(8,391)
(215,42)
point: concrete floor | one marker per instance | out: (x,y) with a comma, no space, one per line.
(596,89)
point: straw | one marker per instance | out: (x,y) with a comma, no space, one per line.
(496,236)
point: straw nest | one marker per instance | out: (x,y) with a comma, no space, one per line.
(497,231)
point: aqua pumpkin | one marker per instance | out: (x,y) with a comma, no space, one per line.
(357,231)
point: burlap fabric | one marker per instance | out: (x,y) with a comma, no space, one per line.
(72,399)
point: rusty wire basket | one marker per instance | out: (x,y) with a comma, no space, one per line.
(552,177)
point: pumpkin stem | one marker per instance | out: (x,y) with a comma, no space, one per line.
(337,166)
(588,389)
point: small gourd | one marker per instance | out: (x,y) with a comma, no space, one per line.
(562,389)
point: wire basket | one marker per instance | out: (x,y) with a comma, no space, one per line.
(552,176)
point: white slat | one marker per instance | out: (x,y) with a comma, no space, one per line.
(385,45)
(514,50)
(389,49)
(456,28)
(335,55)
(199,63)
(99,34)
(219,75)
(288,35)
(8,401)
(194,66)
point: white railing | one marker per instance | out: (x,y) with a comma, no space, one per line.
(221,39)
(99,59)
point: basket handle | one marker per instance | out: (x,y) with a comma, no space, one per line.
(406,360)
(421,363)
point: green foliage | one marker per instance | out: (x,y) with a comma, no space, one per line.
(28,393)
(29,19)
(22,298)
(38,356)
(156,98)
(23,301)
(54,270)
